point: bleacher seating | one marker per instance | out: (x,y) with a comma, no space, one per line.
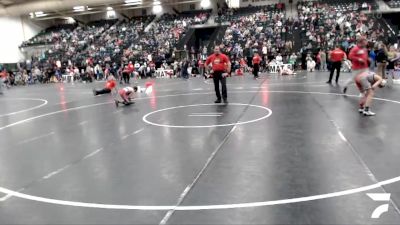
(227,15)
(50,35)
(254,28)
(112,41)
(345,5)
(393,3)
(326,24)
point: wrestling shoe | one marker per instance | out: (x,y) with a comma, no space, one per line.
(369,113)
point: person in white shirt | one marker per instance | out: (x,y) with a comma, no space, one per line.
(310,65)
(137,66)
(264,50)
(287,71)
(279,59)
(126,95)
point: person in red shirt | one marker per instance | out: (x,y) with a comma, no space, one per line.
(336,57)
(220,66)
(256,64)
(108,87)
(359,59)
(3,79)
(131,67)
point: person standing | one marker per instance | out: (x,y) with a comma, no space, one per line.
(256,64)
(248,53)
(201,68)
(293,60)
(381,60)
(372,58)
(337,56)
(393,57)
(359,59)
(125,74)
(322,56)
(3,79)
(185,67)
(220,66)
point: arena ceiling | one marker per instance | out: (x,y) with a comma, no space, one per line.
(65,7)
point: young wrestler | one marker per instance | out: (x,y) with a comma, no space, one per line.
(108,87)
(367,82)
(126,94)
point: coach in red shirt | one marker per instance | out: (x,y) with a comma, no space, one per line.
(336,57)
(359,59)
(221,66)
(256,65)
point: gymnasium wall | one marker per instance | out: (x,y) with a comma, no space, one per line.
(15,30)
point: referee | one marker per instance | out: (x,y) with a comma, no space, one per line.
(221,67)
(336,57)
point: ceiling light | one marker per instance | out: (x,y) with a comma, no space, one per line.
(79,7)
(133,2)
(157,9)
(111,14)
(205,3)
(109,8)
(70,19)
(39,13)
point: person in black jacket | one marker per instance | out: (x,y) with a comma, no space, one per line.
(381,61)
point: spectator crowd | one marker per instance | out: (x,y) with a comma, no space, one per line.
(141,45)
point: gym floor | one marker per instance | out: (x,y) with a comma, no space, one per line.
(285,150)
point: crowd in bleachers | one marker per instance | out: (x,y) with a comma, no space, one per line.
(345,5)
(111,46)
(324,25)
(51,35)
(107,46)
(261,29)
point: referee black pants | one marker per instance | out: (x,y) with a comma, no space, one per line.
(126,77)
(256,69)
(217,77)
(335,66)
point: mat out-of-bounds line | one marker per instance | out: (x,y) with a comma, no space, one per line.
(200,207)
(28,109)
(12,193)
